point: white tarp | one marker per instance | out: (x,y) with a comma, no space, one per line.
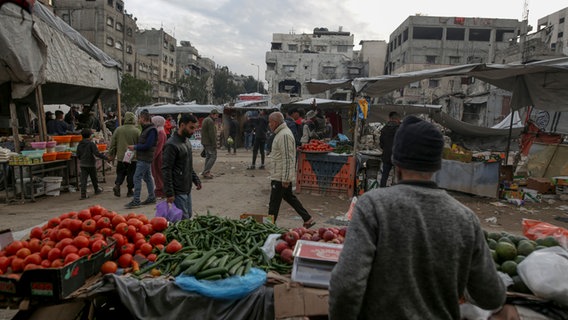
(41,49)
(180,108)
(506,123)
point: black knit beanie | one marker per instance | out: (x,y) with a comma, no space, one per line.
(418,146)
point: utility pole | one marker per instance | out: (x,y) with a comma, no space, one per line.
(524,31)
(257,77)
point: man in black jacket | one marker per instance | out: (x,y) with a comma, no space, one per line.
(386,142)
(177,166)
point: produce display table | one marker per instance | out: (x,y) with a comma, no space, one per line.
(326,173)
(40,169)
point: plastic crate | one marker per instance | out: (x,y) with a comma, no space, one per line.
(328,174)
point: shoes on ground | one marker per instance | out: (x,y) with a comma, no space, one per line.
(116,190)
(207,175)
(132,204)
(310,223)
(99,191)
(130,193)
(149,201)
(251,167)
(83,197)
(261,166)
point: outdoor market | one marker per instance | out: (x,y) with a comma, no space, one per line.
(68,257)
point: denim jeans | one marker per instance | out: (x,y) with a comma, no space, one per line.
(210,158)
(248,140)
(183,202)
(143,172)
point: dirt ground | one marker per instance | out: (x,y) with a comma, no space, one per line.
(236,190)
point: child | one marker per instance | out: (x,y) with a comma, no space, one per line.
(86,152)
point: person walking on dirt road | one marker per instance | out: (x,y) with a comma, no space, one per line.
(412,251)
(209,142)
(283,170)
(123,136)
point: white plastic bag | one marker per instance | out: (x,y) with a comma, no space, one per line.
(128,155)
(349,213)
(270,244)
(545,273)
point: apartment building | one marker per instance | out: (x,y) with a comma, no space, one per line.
(556,30)
(160,47)
(296,58)
(426,42)
(190,63)
(104,23)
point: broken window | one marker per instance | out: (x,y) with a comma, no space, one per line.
(321,48)
(128,49)
(405,35)
(342,48)
(560,34)
(110,22)
(455,34)
(293,47)
(474,59)
(289,68)
(500,35)
(276,46)
(354,71)
(129,32)
(328,70)
(433,83)
(110,3)
(454,60)
(415,84)
(561,21)
(110,41)
(118,45)
(431,59)
(119,26)
(479,34)
(427,33)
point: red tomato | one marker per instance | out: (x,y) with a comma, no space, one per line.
(121,228)
(53,222)
(173,247)
(108,214)
(127,248)
(159,247)
(139,243)
(36,233)
(70,258)
(131,215)
(13,247)
(32,266)
(47,242)
(64,243)
(54,254)
(45,233)
(70,249)
(34,258)
(107,232)
(125,260)
(135,222)
(146,229)
(90,226)
(159,224)
(84,252)
(75,225)
(146,249)
(84,215)
(57,263)
(84,234)
(4,263)
(98,245)
(131,233)
(120,239)
(143,218)
(158,238)
(81,242)
(117,219)
(109,267)
(17,265)
(53,234)
(152,257)
(34,245)
(103,222)
(46,263)
(96,210)
(138,236)
(95,237)
(97,217)
(64,216)
(22,253)
(64,234)
(44,252)
(65,223)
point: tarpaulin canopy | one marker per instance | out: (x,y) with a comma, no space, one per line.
(541,84)
(180,108)
(255,105)
(41,49)
(321,102)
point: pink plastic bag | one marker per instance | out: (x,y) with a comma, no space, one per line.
(170,212)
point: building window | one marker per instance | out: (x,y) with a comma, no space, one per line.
(110,3)
(561,20)
(289,68)
(328,70)
(431,59)
(118,45)
(433,83)
(293,47)
(110,22)
(129,67)
(276,46)
(427,33)
(171,75)
(171,61)
(110,41)
(65,17)
(415,84)
(474,59)
(128,49)
(354,71)
(342,48)
(165,73)
(119,6)
(504,35)
(165,59)
(405,35)
(479,34)
(454,60)
(321,48)
(560,34)
(455,34)
(129,32)
(118,26)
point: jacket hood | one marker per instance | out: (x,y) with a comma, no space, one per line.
(129,118)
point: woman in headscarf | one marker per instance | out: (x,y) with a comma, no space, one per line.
(159,122)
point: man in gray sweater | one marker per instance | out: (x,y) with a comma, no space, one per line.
(412,251)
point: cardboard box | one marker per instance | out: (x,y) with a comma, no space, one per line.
(294,300)
(313,262)
(560,181)
(542,185)
(260,218)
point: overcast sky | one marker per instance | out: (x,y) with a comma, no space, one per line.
(236,33)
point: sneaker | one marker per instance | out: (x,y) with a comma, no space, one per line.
(116,190)
(261,166)
(83,197)
(99,191)
(149,201)
(132,205)
(251,167)
(130,193)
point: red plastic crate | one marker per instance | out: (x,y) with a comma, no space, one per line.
(327,174)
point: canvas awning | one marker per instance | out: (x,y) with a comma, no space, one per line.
(180,108)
